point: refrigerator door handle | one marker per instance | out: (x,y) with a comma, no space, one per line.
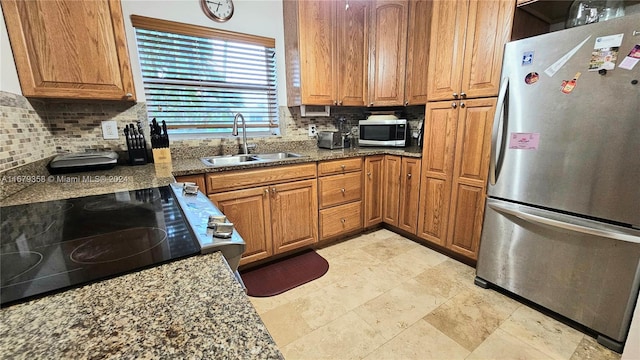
(583,228)
(497,121)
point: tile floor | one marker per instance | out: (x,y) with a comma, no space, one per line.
(387,297)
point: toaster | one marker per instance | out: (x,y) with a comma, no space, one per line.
(330,140)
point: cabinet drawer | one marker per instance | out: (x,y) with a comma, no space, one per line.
(339,166)
(340,220)
(239,179)
(340,189)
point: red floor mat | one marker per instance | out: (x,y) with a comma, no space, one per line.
(282,275)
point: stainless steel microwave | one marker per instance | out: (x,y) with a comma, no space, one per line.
(391,132)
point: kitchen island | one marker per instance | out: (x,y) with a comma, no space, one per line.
(192,308)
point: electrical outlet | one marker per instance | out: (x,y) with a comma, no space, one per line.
(312,130)
(110,130)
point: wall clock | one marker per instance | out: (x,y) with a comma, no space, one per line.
(217,10)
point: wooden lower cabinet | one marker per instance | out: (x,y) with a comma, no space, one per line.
(455,165)
(272,219)
(250,213)
(409,194)
(198,179)
(341,219)
(373,185)
(391,190)
(294,215)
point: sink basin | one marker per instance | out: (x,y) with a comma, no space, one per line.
(231,160)
(278,156)
(228,160)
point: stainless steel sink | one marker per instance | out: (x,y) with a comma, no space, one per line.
(228,160)
(278,156)
(231,160)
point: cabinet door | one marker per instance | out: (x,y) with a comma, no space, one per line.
(418,52)
(294,215)
(388,52)
(70,49)
(317,52)
(249,212)
(473,149)
(391,191)
(409,194)
(352,52)
(444,74)
(488,29)
(373,181)
(437,171)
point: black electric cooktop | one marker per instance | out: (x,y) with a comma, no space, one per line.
(51,246)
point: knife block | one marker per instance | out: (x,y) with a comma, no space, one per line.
(161,155)
(138,156)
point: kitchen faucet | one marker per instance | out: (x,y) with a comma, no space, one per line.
(234,131)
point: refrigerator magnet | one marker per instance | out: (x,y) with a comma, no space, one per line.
(605,52)
(630,61)
(524,141)
(569,85)
(531,78)
(527,58)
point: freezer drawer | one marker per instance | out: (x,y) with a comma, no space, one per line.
(584,270)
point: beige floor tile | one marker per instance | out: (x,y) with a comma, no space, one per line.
(420,341)
(264,304)
(379,235)
(285,324)
(469,317)
(445,279)
(348,337)
(542,332)
(330,302)
(415,261)
(589,349)
(382,278)
(389,247)
(501,345)
(399,308)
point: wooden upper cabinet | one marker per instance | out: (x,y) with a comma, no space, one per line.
(488,30)
(466,48)
(353,45)
(326,52)
(70,49)
(418,52)
(388,52)
(317,28)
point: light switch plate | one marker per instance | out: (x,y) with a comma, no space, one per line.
(110,130)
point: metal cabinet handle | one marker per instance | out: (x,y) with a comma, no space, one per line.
(462,104)
(371,104)
(406,103)
(369,174)
(463,95)
(335,102)
(340,103)
(343,220)
(343,167)
(343,191)
(266,191)
(409,175)
(128,95)
(454,104)
(273,190)
(455,95)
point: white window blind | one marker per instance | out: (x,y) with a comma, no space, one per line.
(198,83)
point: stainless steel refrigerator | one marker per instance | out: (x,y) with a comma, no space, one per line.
(562,218)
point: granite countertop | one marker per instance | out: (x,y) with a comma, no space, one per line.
(193,308)
(195,166)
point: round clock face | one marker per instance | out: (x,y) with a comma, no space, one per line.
(218,10)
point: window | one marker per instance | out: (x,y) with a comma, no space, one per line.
(198,78)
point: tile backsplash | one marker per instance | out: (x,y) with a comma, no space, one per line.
(34,130)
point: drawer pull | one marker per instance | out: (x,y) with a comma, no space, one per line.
(266,191)
(343,166)
(409,175)
(343,191)
(369,174)
(343,220)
